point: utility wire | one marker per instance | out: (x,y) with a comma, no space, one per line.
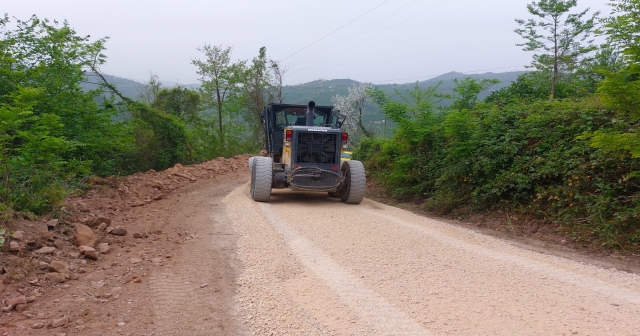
(346,24)
(360,31)
(372,36)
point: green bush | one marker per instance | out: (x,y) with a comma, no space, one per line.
(522,157)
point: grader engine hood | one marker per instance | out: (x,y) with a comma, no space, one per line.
(315,158)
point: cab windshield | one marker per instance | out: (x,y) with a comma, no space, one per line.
(297,116)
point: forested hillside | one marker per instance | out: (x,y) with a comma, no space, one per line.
(322,91)
(127,87)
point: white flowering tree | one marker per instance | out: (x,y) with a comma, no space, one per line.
(352,106)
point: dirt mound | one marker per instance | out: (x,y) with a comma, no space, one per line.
(47,261)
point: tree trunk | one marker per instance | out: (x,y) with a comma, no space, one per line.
(220,116)
(554,77)
(364,130)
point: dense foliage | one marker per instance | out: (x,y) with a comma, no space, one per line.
(54,134)
(572,160)
(51,132)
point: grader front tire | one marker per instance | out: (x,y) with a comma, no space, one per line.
(355,181)
(261,179)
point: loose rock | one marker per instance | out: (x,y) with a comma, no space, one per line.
(57,277)
(93,255)
(84,236)
(60,322)
(140,235)
(38,325)
(100,220)
(84,249)
(59,243)
(83,207)
(118,231)
(45,250)
(103,248)
(18,235)
(12,303)
(14,246)
(21,308)
(102,226)
(59,266)
(53,223)
(157,184)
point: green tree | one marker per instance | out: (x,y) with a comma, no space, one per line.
(149,91)
(560,37)
(466,91)
(256,90)
(418,100)
(50,56)
(220,79)
(620,90)
(180,102)
(278,70)
(34,173)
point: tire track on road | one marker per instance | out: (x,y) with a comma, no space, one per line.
(592,284)
(194,292)
(380,316)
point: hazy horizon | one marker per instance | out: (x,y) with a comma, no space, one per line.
(378,42)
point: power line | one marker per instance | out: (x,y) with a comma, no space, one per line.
(441,2)
(346,24)
(360,31)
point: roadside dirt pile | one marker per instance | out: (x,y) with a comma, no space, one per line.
(55,270)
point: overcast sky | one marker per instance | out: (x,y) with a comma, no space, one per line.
(394,41)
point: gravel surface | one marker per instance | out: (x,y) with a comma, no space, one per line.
(312,265)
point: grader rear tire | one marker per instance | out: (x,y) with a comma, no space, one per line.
(355,181)
(261,179)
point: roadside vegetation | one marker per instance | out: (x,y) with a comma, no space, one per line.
(53,134)
(561,144)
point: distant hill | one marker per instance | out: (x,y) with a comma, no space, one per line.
(321,91)
(128,87)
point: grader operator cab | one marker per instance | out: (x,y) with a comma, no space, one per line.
(304,144)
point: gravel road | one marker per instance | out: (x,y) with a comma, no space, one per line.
(311,265)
